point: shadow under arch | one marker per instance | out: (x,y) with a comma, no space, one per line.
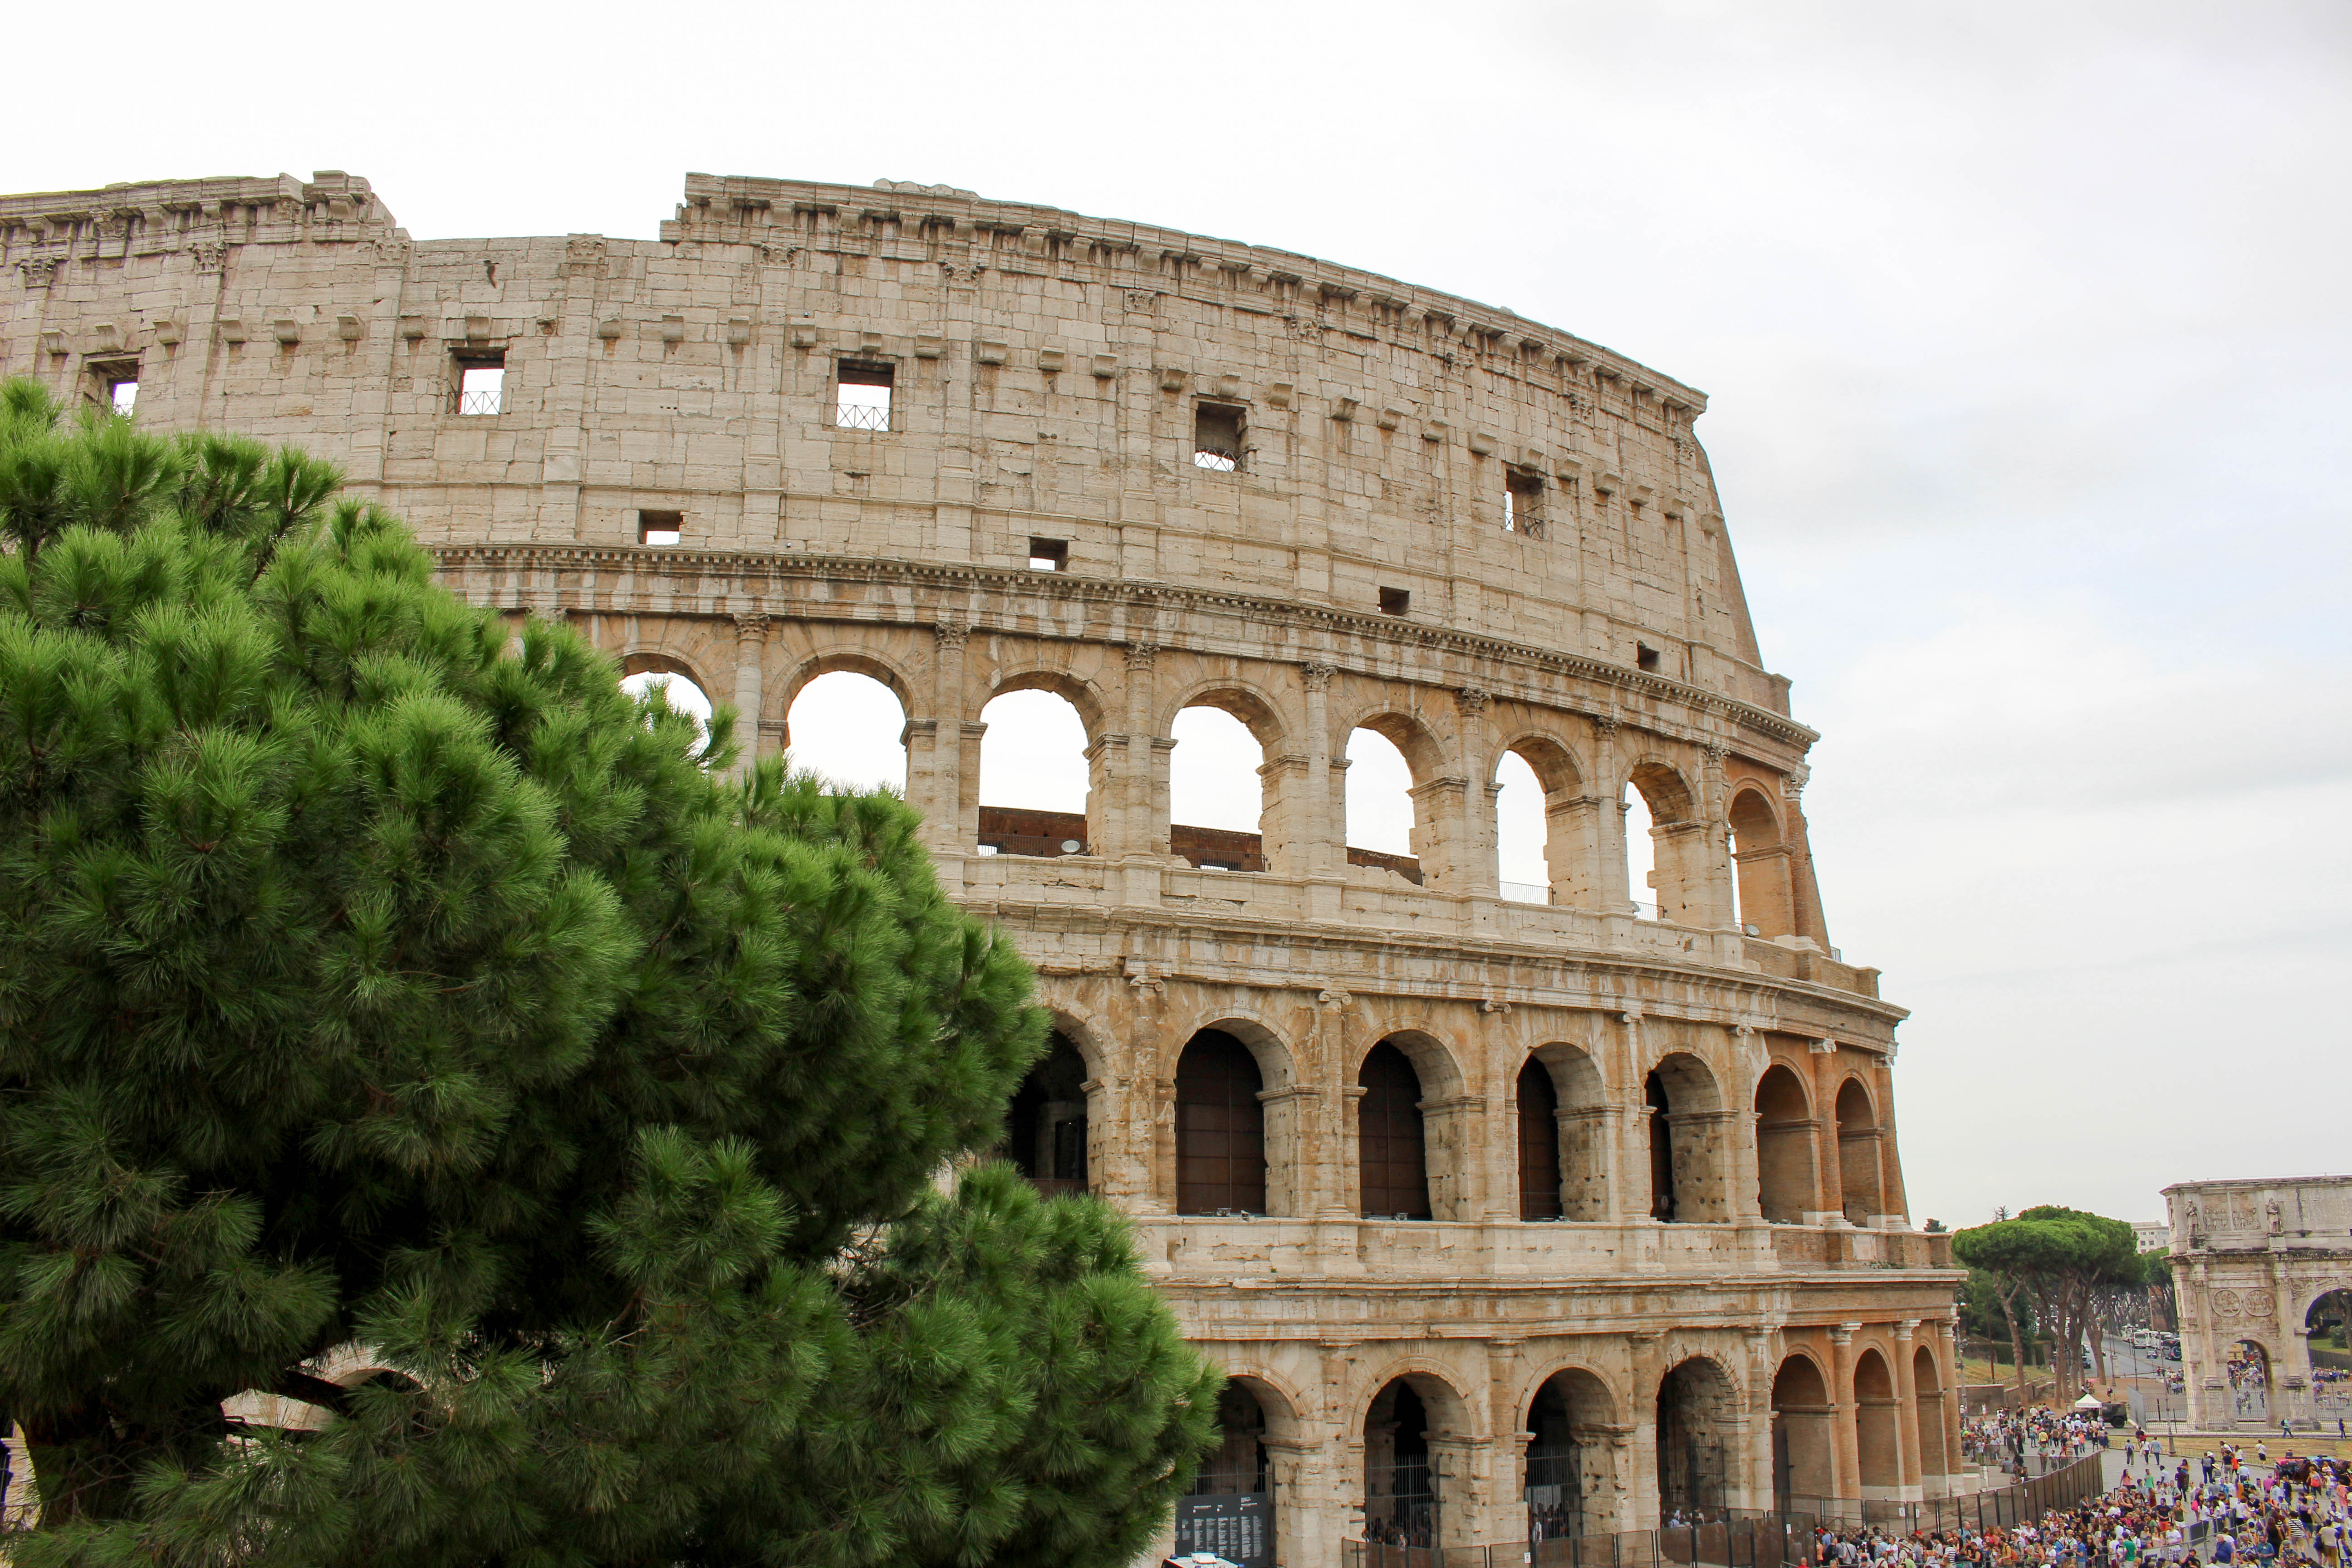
(1860,1166)
(1682,849)
(1412,1128)
(1689,1141)
(1579,1130)
(1761,873)
(1413,1409)
(1697,1406)
(1786,1179)
(1804,1430)
(1877,1411)
(1570,1481)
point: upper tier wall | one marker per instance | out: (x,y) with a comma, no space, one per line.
(1049,368)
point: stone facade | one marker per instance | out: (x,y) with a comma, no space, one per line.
(2253,1264)
(1658,1252)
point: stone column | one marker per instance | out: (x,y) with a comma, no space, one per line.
(1946,1330)
(1909,1466)
(1845,1456)
(1457,1468)
(1306,1504)
(1629,1193)
(935,748)
(1757,1452)
(1322,831)
(750,660)
(1643,1346)
(1827,1156)
(1439,807)
(1474,867)
(1142,841)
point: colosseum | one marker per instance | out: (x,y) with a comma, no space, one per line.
(1560,1205)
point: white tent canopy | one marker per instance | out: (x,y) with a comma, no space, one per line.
(2089,1401)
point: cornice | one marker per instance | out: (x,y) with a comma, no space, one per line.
(1149,598)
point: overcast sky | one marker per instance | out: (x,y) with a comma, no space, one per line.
(2025,330)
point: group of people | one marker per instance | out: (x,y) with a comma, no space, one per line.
(2028,1442)
(2231,1508)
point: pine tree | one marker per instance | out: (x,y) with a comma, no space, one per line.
(373,970)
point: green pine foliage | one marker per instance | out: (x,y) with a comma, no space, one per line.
(373,969)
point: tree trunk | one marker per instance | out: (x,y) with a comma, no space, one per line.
(2016,1337)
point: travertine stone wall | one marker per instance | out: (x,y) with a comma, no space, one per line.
(2250,1260)
(1048,372)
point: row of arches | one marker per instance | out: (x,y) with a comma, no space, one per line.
(1224,1152)
(1543,832)
(1593,1454)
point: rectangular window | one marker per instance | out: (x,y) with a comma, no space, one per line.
(660,527)
(1217,437)
(481,383)
(1395,600)
(1049,554)
(862,396)
(1645,656)
(123,394)
(1523,496)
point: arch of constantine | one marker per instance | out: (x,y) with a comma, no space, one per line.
(1578,1203)
(2262,1271)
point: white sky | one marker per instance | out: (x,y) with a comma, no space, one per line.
(2025,326)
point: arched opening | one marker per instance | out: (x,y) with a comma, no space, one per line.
(2327,1329)
(2248,1362)
(1229,1511)
(1641,854)
(850,730)
(1570,1477)
(1686,1140)
(1401,1495)
(1876,1413)
(1392,1158)
(1858,1159)
(1761,885)
(1540,1181)
(649,676)
(1045,1125)
(1216,794)
(1582,1113)
(1785,1182)
(1676,878)
(1522,831)
(1220,1127)
(1381,820)
(1804,1444)
(1927,1388)
(1033,776)
(1696,1404)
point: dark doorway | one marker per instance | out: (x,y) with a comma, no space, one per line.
(1220,1127)
(1662,1148)
(1539,1143)
(1045,1126)
(1400,1491)
(1392,1162)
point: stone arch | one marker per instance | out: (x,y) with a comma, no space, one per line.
(1451,1122)
(1580,1112)
(1431,837)
(1391,1137)
(1697,1461)
(652,661)
(1561,781)
(1804,1432)
(1535,1104)
(1226,738)
(1927,1414)
(1284,1103)
(1877,1412)
(1038,798)
(850,660)
(1688,1143)
(1570,1481)
(1786,1180)
(1860,1167)
(2251,1377)
(1414,1408)
(1221,1154)
(1259,709)
(1424,753)
(1761,875)
(1092,703)
(1680,848)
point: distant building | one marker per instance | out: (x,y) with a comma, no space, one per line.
(2153,1235)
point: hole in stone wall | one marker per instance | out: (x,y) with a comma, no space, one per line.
(1217,437)
(660,527)
(1395,600)
(1521,833)
(861,399)
(1523,502)
(1379,804)
(849,729)
(1646,657)
(1032,775)
(1215,799)
(1641,854)
(1048,554)
(481,383)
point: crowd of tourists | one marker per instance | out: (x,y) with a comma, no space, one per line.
(2028,1442)
(2227,1506)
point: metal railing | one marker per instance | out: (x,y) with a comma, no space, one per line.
(474,403)
(861,416)
(1784,1537)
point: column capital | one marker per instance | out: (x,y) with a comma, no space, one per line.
(1317,675)
(1842,1333)
(1472,700)
(951,635)
(753,627)
(1141,655)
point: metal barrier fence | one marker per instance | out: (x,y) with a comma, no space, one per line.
(1747,1538)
